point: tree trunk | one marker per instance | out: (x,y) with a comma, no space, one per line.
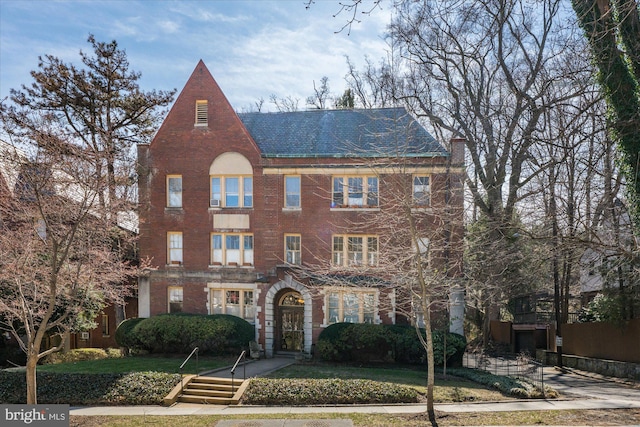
(430,365)
(32,362)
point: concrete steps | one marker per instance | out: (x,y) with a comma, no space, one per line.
(207,390)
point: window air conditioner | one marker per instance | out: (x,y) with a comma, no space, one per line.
(84,335)
(215,203)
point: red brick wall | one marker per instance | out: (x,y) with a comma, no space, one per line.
(180,148)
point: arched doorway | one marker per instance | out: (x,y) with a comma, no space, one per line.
(290,321)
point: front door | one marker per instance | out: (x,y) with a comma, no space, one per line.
(291,328)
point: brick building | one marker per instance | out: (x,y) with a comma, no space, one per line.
(230,202)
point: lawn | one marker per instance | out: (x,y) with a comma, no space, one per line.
(139,364)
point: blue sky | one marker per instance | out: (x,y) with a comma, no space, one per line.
(252,48)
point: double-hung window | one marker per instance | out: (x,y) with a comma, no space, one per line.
(175,299)
(350,306)
(174,191)
(421,190)
(355,191)
(231,249)
(231,191)
(292,249)
(292,191)
(355,250)
(174,248)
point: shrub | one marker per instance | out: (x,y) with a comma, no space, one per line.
(507,385)
(124,333)
(347,342)
(262,391)
(80,354)
(180,333)
(136,388)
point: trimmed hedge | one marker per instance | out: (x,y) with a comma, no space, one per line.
(80,354)
(263,391)
(216,334)
(136,388)
(351,342)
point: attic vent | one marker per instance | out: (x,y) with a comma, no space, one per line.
(202,116)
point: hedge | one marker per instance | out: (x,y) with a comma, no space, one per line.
(349,342)
(136,388)
(216,334)
(263,391)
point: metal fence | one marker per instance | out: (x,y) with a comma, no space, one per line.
(517,366)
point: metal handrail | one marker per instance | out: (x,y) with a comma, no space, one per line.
(233,370)
(195,350)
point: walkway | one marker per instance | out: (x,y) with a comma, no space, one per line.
(586,392)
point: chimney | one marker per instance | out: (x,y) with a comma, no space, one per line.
(456,149)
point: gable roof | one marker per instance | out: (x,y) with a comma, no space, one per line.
(379,132)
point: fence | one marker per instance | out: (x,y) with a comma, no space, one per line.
(520,366)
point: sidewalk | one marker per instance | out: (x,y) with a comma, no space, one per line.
(591,393)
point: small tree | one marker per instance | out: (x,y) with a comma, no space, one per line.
(57,263)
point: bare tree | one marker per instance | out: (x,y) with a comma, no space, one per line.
(414,249)
(283,105)
(58,268)
(321,95)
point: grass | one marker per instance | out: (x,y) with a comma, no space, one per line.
(567,418)
(139,364)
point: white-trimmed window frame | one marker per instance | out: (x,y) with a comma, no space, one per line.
(292,196)
(175,248)
(220,252)
(174,195)
(354,249)
(421,188)
(221,302)
(175,295)
(220,191)
(351,305)
(367,186)
(293,249)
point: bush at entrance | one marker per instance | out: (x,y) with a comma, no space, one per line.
(350,342)
(180,333)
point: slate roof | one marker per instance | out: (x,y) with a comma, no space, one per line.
(380,132)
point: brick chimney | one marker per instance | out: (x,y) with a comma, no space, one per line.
(456,148)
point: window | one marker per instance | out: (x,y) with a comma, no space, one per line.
(355,250)
(236,302)
(355,191)
(421,191)
(292,249)
(174,191)
(105,325)
(175,299)
(174,245)
(350,306)
(423,253)
(202,113)
(291,191)
(231,249)
(231,191)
